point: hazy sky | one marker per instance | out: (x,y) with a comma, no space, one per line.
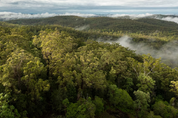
(48,3)
(57,6)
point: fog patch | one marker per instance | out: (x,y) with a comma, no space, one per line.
(130,16)
(81,28)
(11,15)
(147,15)
(172,19)
(78,14)
(168,52)
(4,16)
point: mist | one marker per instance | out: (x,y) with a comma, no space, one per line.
(11,15)
(5,16)
(168,52)
(172,19)
(130,16)
(81,28)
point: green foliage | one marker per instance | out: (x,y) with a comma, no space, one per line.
(57,98)
(65,102)
(146,83)
(141,103)
(151,115)
(6,110)
(165,110)
(50,69)
(84,108)
(174,87)
(99,105)
(22,69)
(105,24)
(148,66)
(6,48)
(120,98)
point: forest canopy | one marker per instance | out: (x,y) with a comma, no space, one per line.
(52,71)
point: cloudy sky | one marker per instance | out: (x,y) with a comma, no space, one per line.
(63,6)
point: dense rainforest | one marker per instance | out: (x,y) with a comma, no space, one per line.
(56,68)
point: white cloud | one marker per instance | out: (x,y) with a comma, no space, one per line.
(12,15)
(136,16)
(89,6)
(172,19)
(131,16)
(78,14)
(167,52)
(136,3)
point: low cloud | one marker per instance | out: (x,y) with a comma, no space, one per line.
(131,16)
(168,52)
(78,14)
(81,28)
(172,19)
(138,3)
(11,15)
(137,16)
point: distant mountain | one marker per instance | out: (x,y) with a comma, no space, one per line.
(124,23)
(6,16)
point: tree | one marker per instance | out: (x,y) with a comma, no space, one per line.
(84,108)
(21,73)
(54,45)
(6,48)
(165,110)
(141,103)
(146,83)
(81,69)
(152,115)
(120,98)
(174,87)
(6,110)
(148,66)
(99,105)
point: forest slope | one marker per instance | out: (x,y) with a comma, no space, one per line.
(55,71)
(116,24)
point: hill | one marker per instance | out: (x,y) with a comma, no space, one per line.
(116,24)
(55,71)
